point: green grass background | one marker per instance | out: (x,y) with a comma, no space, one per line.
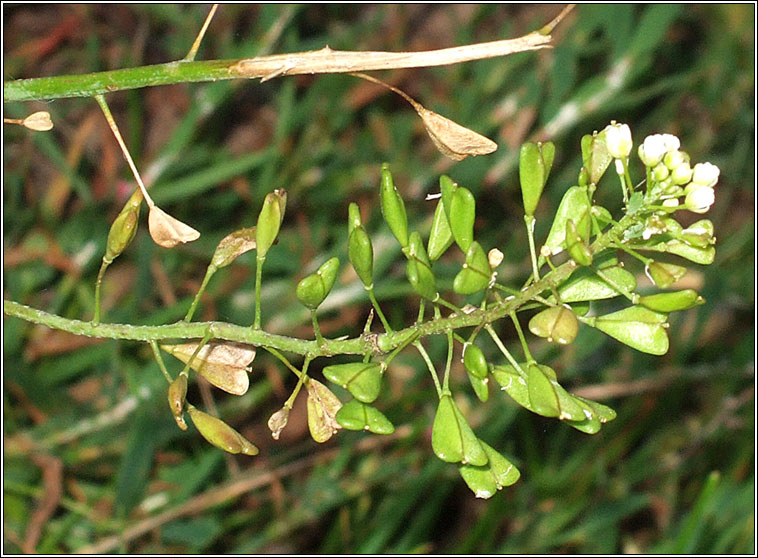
(86,426)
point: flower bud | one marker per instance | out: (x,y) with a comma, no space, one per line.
(670,141)
(660,172)
(705,174)
(618,139)
(673,159)
(220,434)
(700,200)
(652,150)
(681,174)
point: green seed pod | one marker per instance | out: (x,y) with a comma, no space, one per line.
(557,324)
(355,415)
(452,438)
(585,285)
(664,274)
(636,326)
(702,256)
(447,188)
(220,434)
(474,361)
(698,234)
(575,205)
(595,156)
(575,246)
(270,220)
(419,269)
(476,273)
(484,481)
(393,208)
(480,386)
(124,228)
(440,237)
(177,392)
(362,379)
(361,255)
(542,394)
(313,289)
(462,215)
(672,302)
(353,217)
(590,423)
(535,161)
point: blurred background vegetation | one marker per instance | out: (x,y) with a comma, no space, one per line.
(92,458)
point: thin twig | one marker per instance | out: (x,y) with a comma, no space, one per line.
(196,45)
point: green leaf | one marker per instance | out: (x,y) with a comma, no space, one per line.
(557,324)
(672,302)
(485,480)
(362,379)
(393,207)
(476,272)
(474,361)
(595,156)
(636,326)
(419,270)
(355,415)
(452,438)
(440,237)
(585,285)
(462,215)
(603,412)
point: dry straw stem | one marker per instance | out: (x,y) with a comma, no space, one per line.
(323,61)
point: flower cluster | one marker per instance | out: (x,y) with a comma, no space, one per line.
(670,176)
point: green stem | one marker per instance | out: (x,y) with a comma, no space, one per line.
(448,362)
(284,360)
(98,282)
(258,277)
(203,342)
(317,330)
(529,220)
(303,375)
(506,352)
(521,337)
(430,366)
(208,274)
(375,303)
(159,360)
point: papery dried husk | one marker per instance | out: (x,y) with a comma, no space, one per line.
(223,363)
(168,231)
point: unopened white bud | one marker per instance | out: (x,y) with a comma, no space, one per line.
(660,172)
(673,159)
(705,174)
(618,140)
(652,150)
(700,200)
(681,174)
(671,142)
(495,258)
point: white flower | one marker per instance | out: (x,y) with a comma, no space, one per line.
(673,159)
(700,199)
(705,174)
(670,141)
(618,139)
(660,172)
(652,150)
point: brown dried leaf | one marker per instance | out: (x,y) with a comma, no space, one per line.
(167,231)
(453,140)
(224,364)
(322,408)
(233,246)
